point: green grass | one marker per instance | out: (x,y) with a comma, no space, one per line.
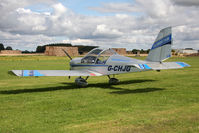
(166,101)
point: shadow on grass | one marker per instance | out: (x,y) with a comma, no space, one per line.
(46,89)
(98,85)
(142,90)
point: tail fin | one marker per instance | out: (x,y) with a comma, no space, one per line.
(161,48)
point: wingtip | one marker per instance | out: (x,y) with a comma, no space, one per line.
(16,72)
(182,64)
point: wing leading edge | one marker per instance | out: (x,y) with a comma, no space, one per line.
(26,73)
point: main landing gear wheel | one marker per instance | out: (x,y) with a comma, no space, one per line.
(113,81)
(80,82)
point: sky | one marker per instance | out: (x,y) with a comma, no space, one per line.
(130,24)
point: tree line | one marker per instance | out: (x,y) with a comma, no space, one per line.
(81,48)
(142,51)
(3,48)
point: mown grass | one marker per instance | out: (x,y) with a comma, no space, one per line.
(166,101)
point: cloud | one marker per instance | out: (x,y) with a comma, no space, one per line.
(130,25)
(115,8)
(79,41)
(102,31)
(156,8)
(24,42)
(187,2)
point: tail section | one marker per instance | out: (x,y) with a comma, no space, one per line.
(161,48)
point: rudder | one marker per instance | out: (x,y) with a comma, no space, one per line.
(161,48)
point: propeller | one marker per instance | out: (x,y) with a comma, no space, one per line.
(67,54)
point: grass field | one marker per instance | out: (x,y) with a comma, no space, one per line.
(166,101)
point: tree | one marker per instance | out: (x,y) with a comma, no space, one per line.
(84,49)
(8,48)
(147,51)
(134,51)
(1,46)
(26,51)
(40,49)
(142,51)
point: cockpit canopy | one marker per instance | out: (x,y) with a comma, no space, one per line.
(98,56)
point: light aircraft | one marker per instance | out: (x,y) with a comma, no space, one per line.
(100,62)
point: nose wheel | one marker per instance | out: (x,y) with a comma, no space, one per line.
(80,82)
(113,81)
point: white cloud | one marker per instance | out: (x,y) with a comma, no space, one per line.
(156,8)
(131,25)
(187,2)
(24,42)
(102,31)
(116,7)
(79,41)
(122,16)
(59,9)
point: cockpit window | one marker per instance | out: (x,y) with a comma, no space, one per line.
(108,52)
(98,56)
(103,57)
(91,57)
(95,52)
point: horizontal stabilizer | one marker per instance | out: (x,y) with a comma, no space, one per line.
(25,73)
(167,65)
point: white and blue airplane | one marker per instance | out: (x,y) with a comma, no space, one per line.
(100,62)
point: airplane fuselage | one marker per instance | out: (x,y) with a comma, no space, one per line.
(112,66)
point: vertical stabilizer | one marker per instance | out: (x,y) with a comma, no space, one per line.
(161,48)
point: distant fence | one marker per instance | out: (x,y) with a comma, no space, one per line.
(10,52)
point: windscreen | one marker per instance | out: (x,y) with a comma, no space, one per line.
(103,57)
(91,57)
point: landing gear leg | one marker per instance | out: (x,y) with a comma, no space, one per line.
(87,77)
(113,81)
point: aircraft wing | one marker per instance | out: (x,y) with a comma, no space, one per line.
(25,73)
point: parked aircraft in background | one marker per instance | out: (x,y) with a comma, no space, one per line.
(100,62)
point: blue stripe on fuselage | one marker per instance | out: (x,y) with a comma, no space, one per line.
(141,66)
(144,66)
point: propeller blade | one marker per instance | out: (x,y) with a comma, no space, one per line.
(67,54)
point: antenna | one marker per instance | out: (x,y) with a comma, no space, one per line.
(67,54)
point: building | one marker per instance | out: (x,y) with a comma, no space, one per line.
(121,51)
(187,51)
(10,52)
(58,51)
